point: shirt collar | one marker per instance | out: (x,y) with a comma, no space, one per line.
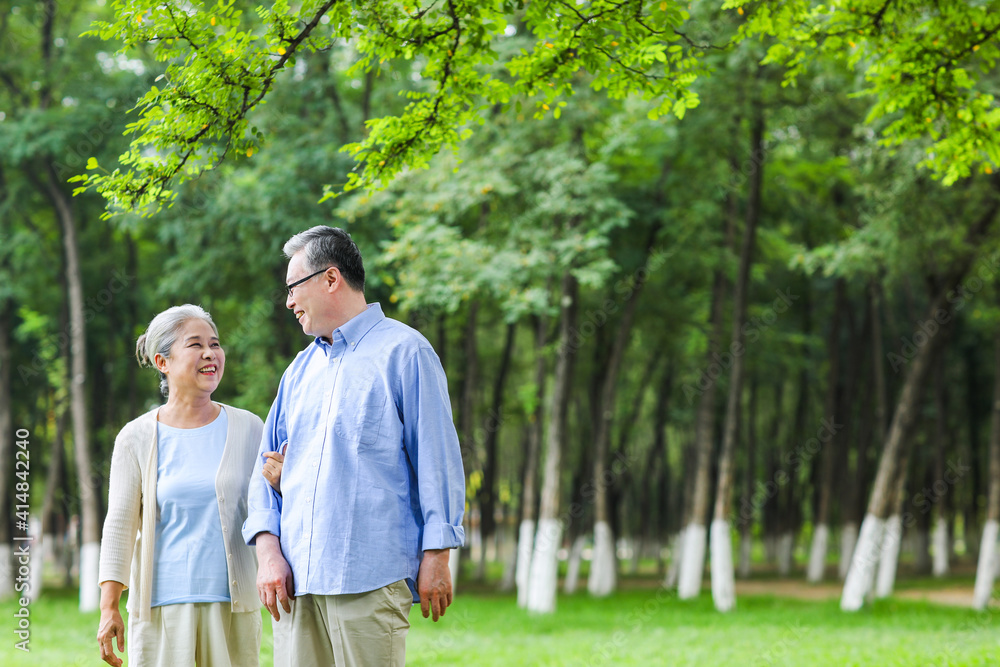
(354,329)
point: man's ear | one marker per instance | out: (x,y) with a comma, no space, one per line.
(333,278)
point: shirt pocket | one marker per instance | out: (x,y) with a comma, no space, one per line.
(359,414)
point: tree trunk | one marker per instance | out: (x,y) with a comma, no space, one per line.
(860,437)
(766,497)
(656,457)
(603,567)
(494,420)
(692,562)
(7,456)
(526,531)
(859,577)
(542,578)
(573,565)
(893,539)
(986,569)
(821,534)
(723,575)
(466,422)
(746,507)
(942,546)
(91,548)
(878,361)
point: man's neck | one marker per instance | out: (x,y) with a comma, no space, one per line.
(352,309)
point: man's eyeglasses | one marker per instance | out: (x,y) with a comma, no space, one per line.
(289,288)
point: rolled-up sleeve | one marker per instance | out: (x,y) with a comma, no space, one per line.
(122,522)
(263,502)
(433,449)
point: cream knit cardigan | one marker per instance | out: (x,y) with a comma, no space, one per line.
(130,526)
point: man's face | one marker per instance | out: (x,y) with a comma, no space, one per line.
(306,300)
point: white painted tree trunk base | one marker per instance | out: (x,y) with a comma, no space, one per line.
(692,562)
(770,548)
(543,578)
(38,564)
(6,572)
(637,547)
(986,570)
(673,569)
(861,574)
(940,547)
(785,546)
(848,539)
(746,550)
(921,551)
(817,554)
(509,561)
(889,557)
(721,561)
(603,568)
(525,546)
(90,590)
(573,566)
(454,565)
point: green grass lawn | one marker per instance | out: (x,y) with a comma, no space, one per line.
(634,627)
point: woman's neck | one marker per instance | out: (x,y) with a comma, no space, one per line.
(188,412)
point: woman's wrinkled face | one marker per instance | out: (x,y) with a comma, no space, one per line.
(196,361)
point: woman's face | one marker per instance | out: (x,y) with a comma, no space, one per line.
(196,361)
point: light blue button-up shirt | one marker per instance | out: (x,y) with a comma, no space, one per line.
(373,470)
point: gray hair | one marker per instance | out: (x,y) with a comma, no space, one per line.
(162,333)
(329,246)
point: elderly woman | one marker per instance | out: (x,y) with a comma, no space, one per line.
(177,499)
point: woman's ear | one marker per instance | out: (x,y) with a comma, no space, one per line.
(160,362)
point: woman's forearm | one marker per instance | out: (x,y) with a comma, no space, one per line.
(111,594)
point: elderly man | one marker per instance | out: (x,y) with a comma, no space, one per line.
(372,487)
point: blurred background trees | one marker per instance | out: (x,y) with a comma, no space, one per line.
(759,318)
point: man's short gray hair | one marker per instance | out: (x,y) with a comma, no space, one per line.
(162,333)
(329,246)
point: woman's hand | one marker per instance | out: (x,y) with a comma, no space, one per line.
(272,469)
(112,626)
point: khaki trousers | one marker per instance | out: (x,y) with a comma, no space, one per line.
(207,634)
(360,630)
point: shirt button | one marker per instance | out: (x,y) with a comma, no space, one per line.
(309,500)
(222,499)
(234,582)
(224,529)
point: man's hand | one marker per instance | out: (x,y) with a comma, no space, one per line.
(434,582)
(274,577)
(272,469)
(111,627)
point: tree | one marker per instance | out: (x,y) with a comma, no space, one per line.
(987,567)
(224,63)
(928,66)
